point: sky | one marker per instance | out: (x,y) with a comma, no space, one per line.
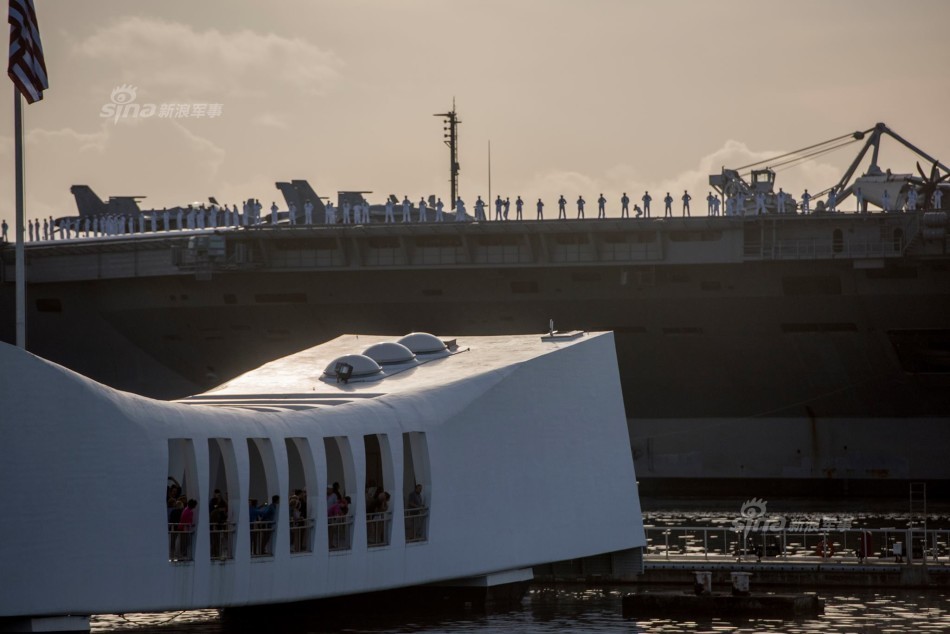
(574,97)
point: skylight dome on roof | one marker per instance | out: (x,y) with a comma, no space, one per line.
(389,352)
(422,343)
(361,364)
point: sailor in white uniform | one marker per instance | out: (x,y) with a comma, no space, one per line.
(154,219)
(292,212)
(273,213)
(459,209)
(716,204)
(911,199)
(422,210)
(438,209)
(406,209)
(200,217)
(389,212)
(938,199)
(646,204)
(832,199)
(859,196)
(330,217)
(806,198)
(479,209)
(308,212)
(886,201)
(781,199)
(346,212)
(759,203)
(740,205)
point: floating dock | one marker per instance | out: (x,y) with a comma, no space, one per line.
(721,604)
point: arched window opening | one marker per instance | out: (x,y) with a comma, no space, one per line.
(223,497)
(264,499)
(181,488)
(379,481)
(837,241)
(416,488)
(340,471)
(302,483)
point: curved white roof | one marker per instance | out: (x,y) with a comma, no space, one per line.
(362,365)
(389,352)
(422,343)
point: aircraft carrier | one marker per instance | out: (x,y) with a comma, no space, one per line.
(769,355)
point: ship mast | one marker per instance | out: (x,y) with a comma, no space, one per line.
(450,134)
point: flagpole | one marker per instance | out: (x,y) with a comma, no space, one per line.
(18,224)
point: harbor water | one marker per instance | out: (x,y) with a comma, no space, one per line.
(577,608)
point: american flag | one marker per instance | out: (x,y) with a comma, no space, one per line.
(27,68)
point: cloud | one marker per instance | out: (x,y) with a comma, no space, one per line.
(159,54)
(271,120)
(115,160)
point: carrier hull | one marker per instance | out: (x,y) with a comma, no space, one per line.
(831,330)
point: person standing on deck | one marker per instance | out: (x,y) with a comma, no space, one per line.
(308,212)
(859,196)
(601,202)
(760,203)
(406,209)
(709,204)
(439,205)
(498,204)
(479,209)
(911,199)
(667,206)
(886,201)
(938,199)
(519,204)
(686,198)
(273,213)
(580,207)
(507,206)
(806,198)
(561,208)
(647,198)
(422,210)
(459,209)
(625,206)
(540,210)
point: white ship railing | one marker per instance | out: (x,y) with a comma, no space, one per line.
(417,525)
(301,532)
(262,542)
(377,528)
(222,540)
(798,543)
(181,542)
(340,532)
